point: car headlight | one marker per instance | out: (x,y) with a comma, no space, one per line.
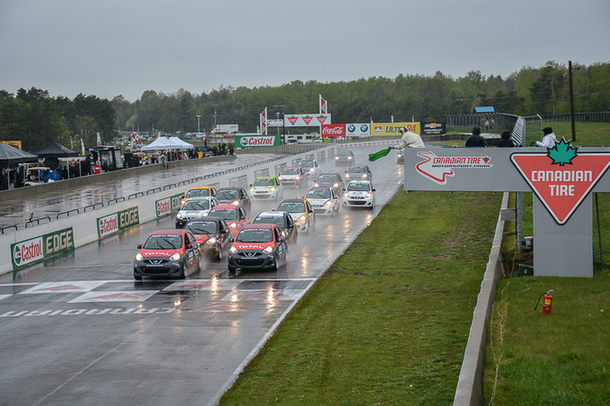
(302,218)
(364,176)
(298,177)
(311,170)
(252,190)
(272,189)
(349,157)
(236,203)
(328,203)
(268,250)
(178,216)
(346,194)
(316,184)
(336,158)
(139,257)
(336,185)
(369,194)
(280,178)
(233,250)
(347,175)
(212,240)
(233,225)
(175,257)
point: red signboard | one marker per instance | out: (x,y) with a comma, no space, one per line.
(333,130)
(561,179)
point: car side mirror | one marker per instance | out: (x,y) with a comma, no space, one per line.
(188,246)
(140,247)
(232,239)
(373,190)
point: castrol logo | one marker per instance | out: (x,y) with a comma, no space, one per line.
(333,130)
(28,251)
(257,141)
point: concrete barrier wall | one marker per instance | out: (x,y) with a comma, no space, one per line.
(469,391)
(85,227)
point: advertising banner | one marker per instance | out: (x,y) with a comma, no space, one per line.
(306,120)
(168,205)
(358,130)
(255,141)
(117,222)
(332,130)
(434,128)
(38,248)
(389,129)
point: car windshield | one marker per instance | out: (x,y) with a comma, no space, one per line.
(227,214)
(196,205)
(318,194)
(227,195)
(291,171)
(264,182)
(255,236)
(277,220)
(358,187)
(357,169)
(209,227)
(292,207)
(163,242)
(306,164)
(198,193)
(328,178)
(345,153)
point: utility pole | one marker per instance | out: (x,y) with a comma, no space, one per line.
(572,100)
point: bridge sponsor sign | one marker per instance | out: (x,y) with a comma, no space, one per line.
(561,179)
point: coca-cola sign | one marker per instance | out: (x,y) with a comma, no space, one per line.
(333,130)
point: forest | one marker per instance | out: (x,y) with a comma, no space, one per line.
(35,118)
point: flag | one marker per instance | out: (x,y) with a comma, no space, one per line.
(82,146)
(379,154)
(323,105)
(263,130)
(99,140)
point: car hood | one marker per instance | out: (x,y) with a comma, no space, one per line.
(318,202)
(193,213)
(160,253)
(201,238)
(296,215)
(252,246)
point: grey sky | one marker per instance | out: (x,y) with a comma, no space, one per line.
(125,47)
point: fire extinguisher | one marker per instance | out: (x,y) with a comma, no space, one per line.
(547,303)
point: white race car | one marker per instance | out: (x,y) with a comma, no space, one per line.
(359,193)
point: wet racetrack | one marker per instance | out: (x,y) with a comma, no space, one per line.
(79,330)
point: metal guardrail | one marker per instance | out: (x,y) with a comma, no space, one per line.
(67,213)
(93,206)
(37,221)
(122,198)
(7,227)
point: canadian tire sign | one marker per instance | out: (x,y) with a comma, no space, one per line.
(257,141)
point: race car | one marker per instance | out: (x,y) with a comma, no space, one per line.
(293,176)
(198,191)
(213,235)
(324,200)
(359,193)
(194,208)
(330,179)
(345,157)
(301,212)
(266,187)
(234,195)
(235,216)
(400,156)
(311,168)
(281,219)
(356,172)
(258,246)
(171,253)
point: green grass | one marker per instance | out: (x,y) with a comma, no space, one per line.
(388,323)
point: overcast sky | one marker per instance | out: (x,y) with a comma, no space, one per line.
(125,47)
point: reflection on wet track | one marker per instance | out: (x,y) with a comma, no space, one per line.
(87,333)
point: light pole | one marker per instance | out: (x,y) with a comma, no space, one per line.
(277,113)
(198,123)
(572,99)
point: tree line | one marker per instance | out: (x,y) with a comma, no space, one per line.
(35,118)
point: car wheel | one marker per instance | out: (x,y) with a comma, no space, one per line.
(231,270)
(276,265)
(137,277)
(219,258)
(183,271)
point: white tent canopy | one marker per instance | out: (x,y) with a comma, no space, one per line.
(160,144)
(184,144)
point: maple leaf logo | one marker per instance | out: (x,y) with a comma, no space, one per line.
(562,153)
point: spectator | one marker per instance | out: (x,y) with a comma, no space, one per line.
(475,139)
(505,141)
(549,139)
(409,140)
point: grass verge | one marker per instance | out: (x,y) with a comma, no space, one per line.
(388,323)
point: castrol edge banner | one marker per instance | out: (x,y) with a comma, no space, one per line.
(332,130)
(45,246)
(256,141)
(116,222)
